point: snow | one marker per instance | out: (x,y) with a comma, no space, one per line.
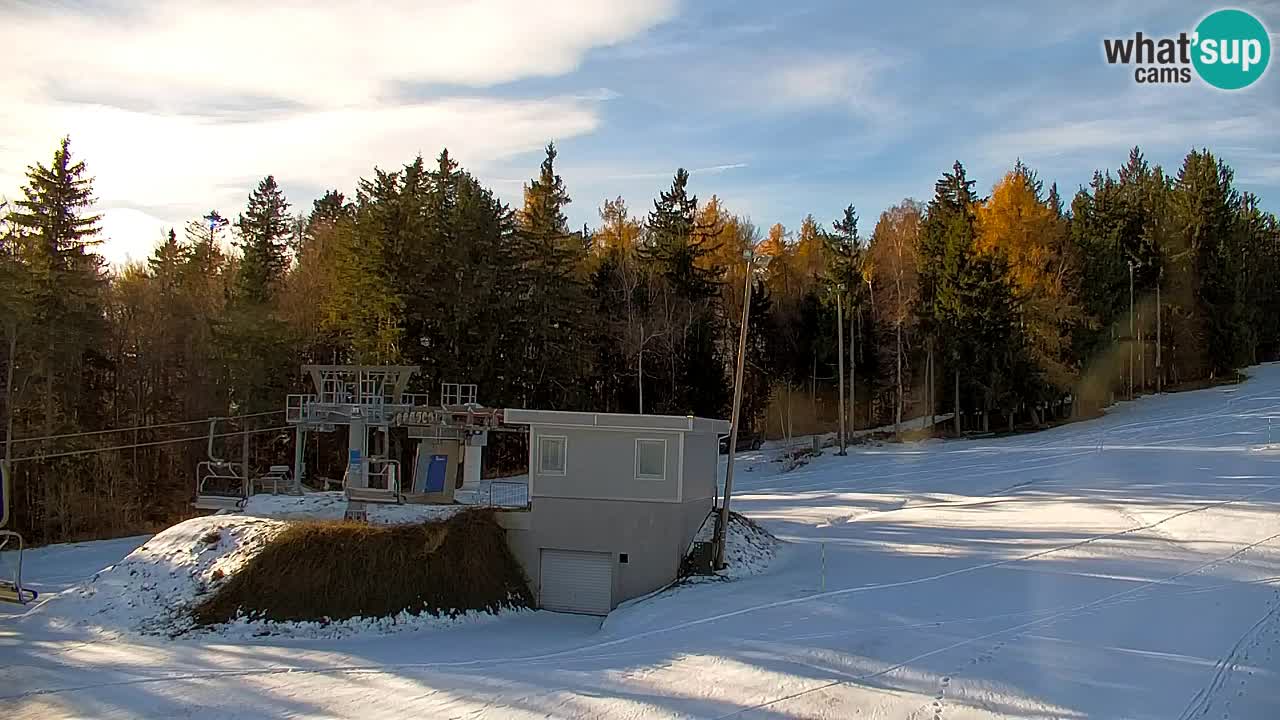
(748,548)
(829,439)
(1126,567)
(332,505)
(153,589)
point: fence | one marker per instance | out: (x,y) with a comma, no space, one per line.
(500,493)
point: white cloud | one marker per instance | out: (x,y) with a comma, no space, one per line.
(176,161)
(180,107)
(321,53)
(1077,134)
(130,235)
(851,82)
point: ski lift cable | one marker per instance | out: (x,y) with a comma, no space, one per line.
(130,446)
(17,441)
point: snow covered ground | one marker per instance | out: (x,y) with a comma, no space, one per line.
(1127,567)
(332,505)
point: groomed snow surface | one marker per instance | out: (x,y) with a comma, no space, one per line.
(1127,567)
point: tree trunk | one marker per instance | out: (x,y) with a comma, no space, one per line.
(813,389)
(853,370)
(1142,359)
(1159,368)
(928,387)
(640,370)
(957,406)
(897,409)
(8,421)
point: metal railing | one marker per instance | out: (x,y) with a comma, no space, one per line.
(296,406)
(415,399)
(502,494)
(279,479)
(457,394)
(383,482)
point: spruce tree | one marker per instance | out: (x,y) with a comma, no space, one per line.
(1206,208)
(676,246)
(264,228)
(67,283)
(553,267)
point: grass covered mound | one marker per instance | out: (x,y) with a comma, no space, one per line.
(320,571)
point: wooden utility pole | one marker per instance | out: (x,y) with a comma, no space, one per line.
(722,521)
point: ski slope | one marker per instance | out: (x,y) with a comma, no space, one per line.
(1127,567)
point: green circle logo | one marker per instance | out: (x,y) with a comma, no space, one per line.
(1231,49)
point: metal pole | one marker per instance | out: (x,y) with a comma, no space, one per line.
(244,458)
(840,362)
(1130,329)
(823,573)
(299,448)
(722,527)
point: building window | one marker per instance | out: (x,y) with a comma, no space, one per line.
(552,451)
(651,459)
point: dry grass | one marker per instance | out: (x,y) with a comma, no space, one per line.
(337,570)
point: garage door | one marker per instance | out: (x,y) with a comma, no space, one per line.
(579,582)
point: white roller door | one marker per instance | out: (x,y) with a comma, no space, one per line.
(578,582)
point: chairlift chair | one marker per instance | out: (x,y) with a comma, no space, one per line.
(220,485)
(11,590)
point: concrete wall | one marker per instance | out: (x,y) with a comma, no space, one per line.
(651,534)
(701,455)
(599,505)
(692,514)
(601,464)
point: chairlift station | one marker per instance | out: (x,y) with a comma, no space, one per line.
(368,400)
(608,511)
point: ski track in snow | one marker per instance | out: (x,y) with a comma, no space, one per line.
(1126,566)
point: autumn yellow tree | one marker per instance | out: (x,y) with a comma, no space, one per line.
(618,230)
(891,267)
(810,254)
(1029,231)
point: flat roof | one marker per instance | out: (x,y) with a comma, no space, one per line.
(615,421)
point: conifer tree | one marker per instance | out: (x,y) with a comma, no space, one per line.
(675,244)
(66,287)
(265,228)
(553,265)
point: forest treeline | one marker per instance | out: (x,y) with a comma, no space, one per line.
(1013,307)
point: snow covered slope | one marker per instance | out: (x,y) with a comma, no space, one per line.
(1127,567)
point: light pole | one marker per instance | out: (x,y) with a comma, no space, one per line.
(840,363)
(1131,330)
(722,520)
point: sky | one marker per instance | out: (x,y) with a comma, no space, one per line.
(780,109)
